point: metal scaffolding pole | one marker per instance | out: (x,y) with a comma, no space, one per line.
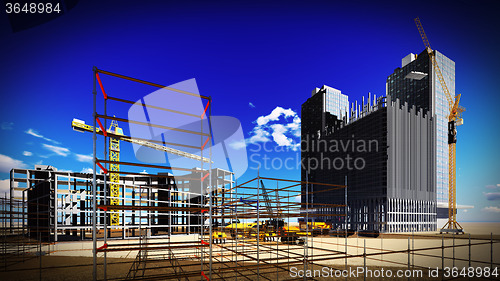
(307,225)
(345,220)
(258,224)
(94,201)
(210,181)
(104,214)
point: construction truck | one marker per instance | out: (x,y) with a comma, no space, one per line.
(219,237)
(317,228)
(237,228)
(292,235)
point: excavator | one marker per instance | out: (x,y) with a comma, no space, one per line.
(275,228)
(270,227)
(265,230)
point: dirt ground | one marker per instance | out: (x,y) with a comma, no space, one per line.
(64,268)
(73,267)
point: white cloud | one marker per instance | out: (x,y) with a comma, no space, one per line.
(279,135)
(90,171)
(7,163)
(273,128)
(238,144)
(33,133)
(295,126)
(65,171)
(5,186)
(27,153)
(297,199)
(87,171)
(491,196)
(37,135)
(491,209)
(61,151)
(275,115)
(259,135)
(277,127)
(251,105)
(83,158)
(7,125)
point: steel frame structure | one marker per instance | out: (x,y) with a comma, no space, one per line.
(202,173)
(71,199)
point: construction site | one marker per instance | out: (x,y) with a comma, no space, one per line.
(196,221)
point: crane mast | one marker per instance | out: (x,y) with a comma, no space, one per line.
(114,169)
(454,120)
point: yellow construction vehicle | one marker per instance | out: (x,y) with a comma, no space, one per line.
(317,228)
(219,237)
(236,229)
(292,235)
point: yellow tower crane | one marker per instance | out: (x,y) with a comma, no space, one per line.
(116,135)
(114,169)
(454,120)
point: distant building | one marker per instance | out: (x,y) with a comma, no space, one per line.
(416,83)
(58,205)
(386,150)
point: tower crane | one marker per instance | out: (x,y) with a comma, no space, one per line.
(116,135)
(454,120)
(80,126)
(114,169)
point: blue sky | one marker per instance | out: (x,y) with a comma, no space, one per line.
(251,57)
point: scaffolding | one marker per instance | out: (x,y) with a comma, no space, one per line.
(199,175)
(220,230)
(249,252)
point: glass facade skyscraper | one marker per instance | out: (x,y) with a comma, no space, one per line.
(335,102)
(416,83)
(442,110)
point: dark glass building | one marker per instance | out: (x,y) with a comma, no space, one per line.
(385,152)
(416,83)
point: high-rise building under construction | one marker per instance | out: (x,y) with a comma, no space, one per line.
(385,150)
(416,83)
(403,185)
